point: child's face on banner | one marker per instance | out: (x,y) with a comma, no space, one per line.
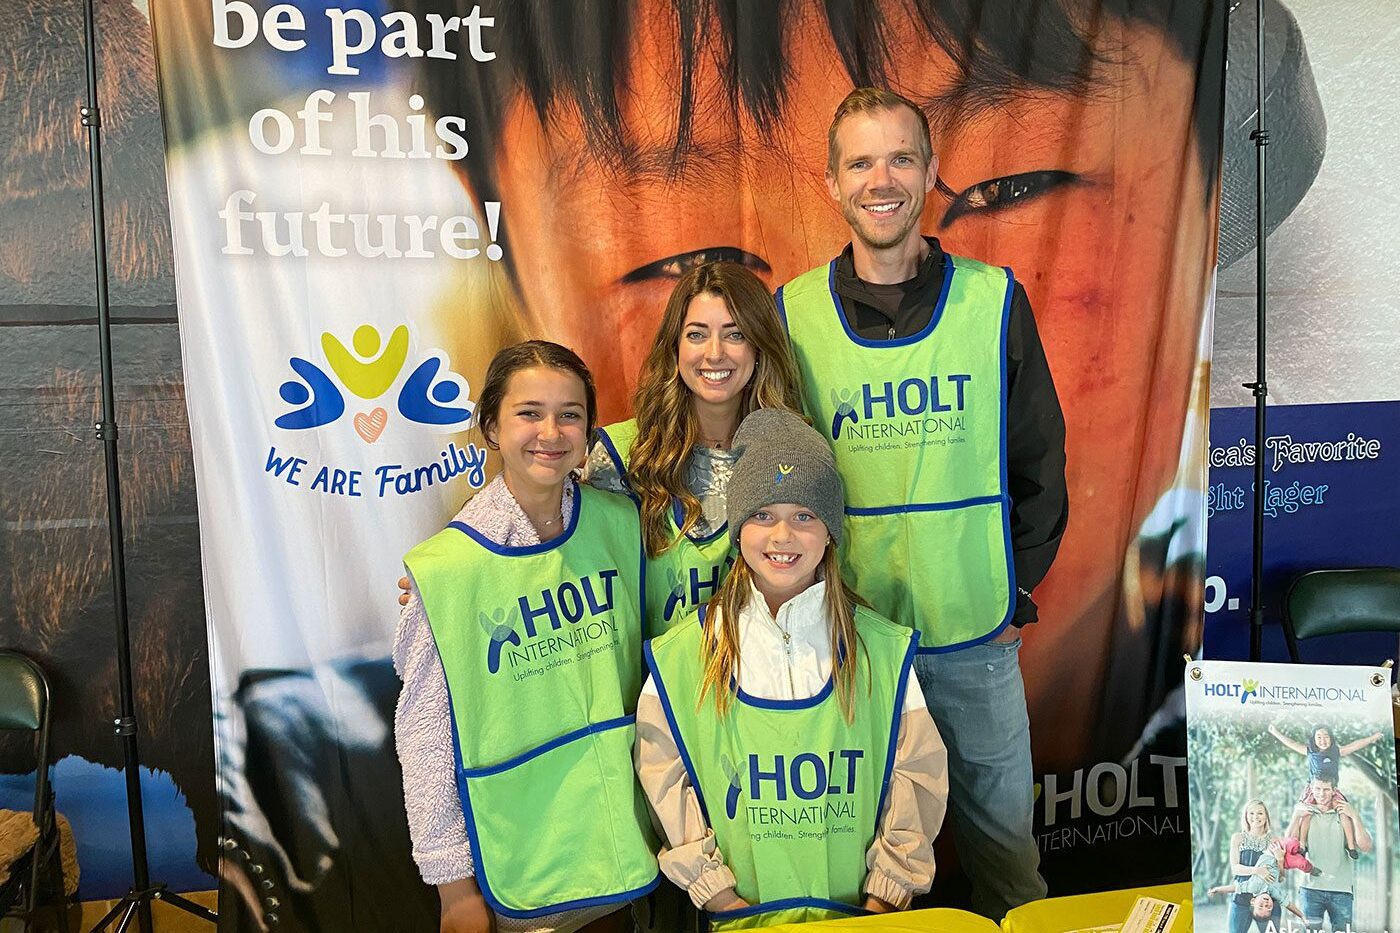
(1096,201)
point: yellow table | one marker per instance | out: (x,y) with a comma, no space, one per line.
(1053,915)
(1086,911)
(941,919)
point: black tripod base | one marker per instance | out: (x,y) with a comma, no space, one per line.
(137,902)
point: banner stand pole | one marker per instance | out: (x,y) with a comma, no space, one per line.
(1259,386)
(137,903)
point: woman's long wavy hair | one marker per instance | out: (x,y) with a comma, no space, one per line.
(719,646)
(667,427)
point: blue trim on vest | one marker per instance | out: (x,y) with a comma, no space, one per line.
(678,516)
(642,571)
(1005,496)
(1005,482)
(925,506)
(782,310)
(675,729)
(593,728)
(603,899)
(904,671)
(788,903)
(817,699)
(933,320)
(618,465)
(479,866)
(529,549)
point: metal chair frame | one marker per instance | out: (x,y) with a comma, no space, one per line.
(46,847)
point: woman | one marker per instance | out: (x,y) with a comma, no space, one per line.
(1246,848)
(720,352)
(520,653)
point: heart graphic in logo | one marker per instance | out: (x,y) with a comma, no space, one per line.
(370,426)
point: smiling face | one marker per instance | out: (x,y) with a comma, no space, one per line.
(1256,818)
(714,358)
(1105,224)
(880,176)
(1262,906)
(541,429)
(1322,740)
(1324,793)
(783,545)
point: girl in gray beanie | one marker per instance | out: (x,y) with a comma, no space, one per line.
(808,726)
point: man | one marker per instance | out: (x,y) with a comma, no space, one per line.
(1332,890)
(927,375)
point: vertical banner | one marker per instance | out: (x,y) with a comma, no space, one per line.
(1293,806)
(369,200)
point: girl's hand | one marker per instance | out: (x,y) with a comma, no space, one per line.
(464,910)
(403,585)
(877,906)
(725,900)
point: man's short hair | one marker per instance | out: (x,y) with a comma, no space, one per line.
(1325,780)
(876,100)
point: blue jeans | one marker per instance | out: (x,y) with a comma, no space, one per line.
(1336,904)
(978,702)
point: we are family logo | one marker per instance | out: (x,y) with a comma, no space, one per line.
(431,397)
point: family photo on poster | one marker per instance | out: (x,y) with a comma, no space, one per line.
(1293,803)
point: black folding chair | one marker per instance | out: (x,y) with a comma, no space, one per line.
(25,704)
(1332,602)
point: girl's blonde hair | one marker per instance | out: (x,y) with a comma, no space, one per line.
(667,427)
(1244,815)
(719,645)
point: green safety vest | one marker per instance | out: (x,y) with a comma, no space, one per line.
(541,649)
(792,791)
(918,426)
(690,571)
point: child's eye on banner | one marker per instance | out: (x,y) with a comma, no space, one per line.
(675,266)
(1001,193)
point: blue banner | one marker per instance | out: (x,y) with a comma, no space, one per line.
(1329,502)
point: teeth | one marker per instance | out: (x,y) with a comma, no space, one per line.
(716,375)
(783,558)
(881,208)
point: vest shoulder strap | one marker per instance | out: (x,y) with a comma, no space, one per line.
(617,439)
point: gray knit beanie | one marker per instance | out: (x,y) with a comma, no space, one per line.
(782,459)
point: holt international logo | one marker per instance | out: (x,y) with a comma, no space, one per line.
(432,395)
(1258,692)
(909,408)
